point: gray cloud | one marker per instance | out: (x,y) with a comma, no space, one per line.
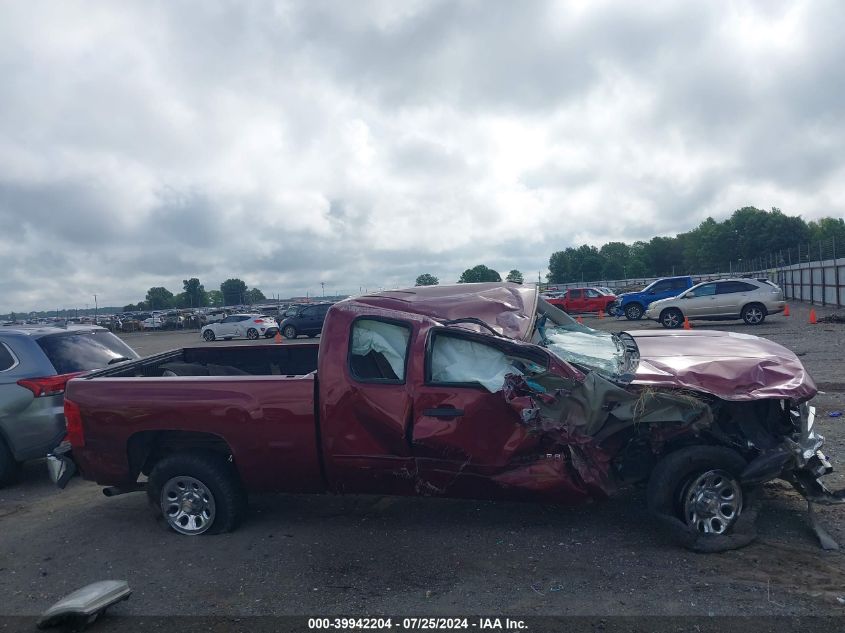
(361,144)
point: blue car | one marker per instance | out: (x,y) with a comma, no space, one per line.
(632,305)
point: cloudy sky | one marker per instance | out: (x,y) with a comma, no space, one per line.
(360,143)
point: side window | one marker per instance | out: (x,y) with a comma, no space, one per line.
(705,291)
(323,310)
(307,313)
(728,287)
(227,320)
(592,294)
(458,361)
(378,351)
(661,286)
(574,294)
(7,359)
(679,284)
(244,318)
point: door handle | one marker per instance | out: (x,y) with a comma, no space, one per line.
(443,412)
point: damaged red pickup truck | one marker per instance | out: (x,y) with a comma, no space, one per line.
(475,390)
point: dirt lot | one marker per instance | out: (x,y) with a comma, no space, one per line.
(327,555)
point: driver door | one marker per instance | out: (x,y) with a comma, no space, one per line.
(701,301)
(467,440)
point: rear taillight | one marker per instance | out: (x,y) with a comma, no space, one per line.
(258,321)
(48,385)
(73,419)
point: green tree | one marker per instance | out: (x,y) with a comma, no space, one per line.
(255,296)
(427,279)
(215,298)
(234,291)
(478,274)
(561,265)
(514,276)
(159,298)
(615,260)
(195,293)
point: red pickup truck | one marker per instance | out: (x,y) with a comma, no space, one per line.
(475,390)
(576,300)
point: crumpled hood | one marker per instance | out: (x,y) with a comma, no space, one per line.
(729,365)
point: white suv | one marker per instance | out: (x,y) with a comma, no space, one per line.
(251,326)
(748,299)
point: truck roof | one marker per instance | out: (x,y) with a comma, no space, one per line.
(508,306)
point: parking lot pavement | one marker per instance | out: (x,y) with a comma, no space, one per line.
(335,555)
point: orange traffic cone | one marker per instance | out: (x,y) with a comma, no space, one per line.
(786,309)
(278,337)
(813,316)
(687,324)
(601,314)
(580,320)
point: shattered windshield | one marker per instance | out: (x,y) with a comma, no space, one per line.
(611,355)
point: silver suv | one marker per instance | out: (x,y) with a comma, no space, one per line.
(35,365)
(748,299)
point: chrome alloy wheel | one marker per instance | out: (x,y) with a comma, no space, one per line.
(188,505)
(712,502)
(753,315)
(671,319)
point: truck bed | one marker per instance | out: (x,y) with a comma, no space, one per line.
(226,360)
(256,403)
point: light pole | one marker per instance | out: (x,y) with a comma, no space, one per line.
(95,308)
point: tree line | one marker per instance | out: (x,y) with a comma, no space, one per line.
(711,247)
(194,295)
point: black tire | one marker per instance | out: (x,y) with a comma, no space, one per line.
(9,468)
(753,313)
(252,334)
(290,332)
(208,335)
(669,490)
(215,473)
(671,318)
(634,312)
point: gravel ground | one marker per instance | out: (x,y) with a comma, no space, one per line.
(356,555)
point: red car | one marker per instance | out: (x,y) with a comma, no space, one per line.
(475,390)
(583,300)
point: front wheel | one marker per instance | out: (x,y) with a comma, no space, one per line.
(698,488)
(252,334)
(634,312)
(208,335)
(753,314)
(671,318)
(289,331)
(196,493)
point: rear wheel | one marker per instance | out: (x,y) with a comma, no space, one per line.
(208,335)
(753,314)
(196,493)
(252,334)
(289,331)
(671,318)
(633,312)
